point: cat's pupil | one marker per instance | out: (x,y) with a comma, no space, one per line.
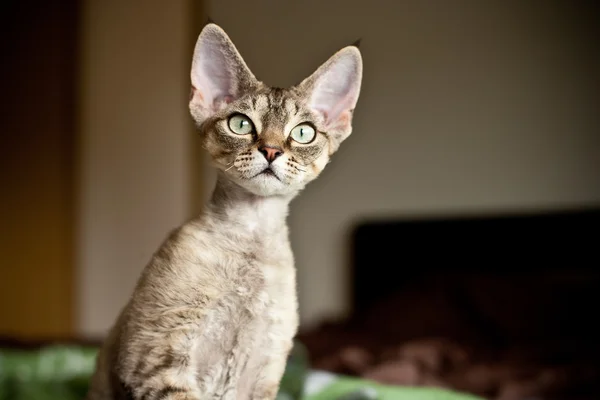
(301,132)
(243,123)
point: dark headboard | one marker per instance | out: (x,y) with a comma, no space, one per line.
(559,248)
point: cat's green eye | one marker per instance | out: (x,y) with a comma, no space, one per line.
(240,124)
(303,133)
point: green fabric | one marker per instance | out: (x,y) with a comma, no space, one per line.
(292,382)
(51,373)
(63,372)
(347,388)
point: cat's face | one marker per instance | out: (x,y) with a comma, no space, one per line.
(270,141)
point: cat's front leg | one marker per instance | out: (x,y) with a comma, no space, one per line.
(178,396)
(267,385)
(165,391)
(159,366)
(267,391)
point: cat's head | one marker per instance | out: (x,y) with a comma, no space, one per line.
(270,141)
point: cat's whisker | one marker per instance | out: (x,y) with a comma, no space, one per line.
(230,166)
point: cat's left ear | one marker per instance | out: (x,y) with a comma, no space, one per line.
(219,74)
(333,91)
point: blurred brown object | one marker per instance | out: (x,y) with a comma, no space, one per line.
(400,372)
(440,362)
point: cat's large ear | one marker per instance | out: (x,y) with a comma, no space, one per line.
(219,73)
(332,91)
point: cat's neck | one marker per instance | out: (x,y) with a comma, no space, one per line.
(233,205)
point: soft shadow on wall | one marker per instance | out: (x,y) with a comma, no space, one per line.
(37,157)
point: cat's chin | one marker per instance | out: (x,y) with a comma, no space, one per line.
(267,184)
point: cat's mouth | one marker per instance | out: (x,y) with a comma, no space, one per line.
(267,172)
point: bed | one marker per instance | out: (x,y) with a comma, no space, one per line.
(501,306)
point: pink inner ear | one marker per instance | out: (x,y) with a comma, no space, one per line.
(211,72)
(334,97)
(337,89)
(323,113)
(193,92)
(332,105)
(342,122)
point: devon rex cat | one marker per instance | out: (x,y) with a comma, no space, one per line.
(214,312)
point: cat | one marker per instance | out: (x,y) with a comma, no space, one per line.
(214,313)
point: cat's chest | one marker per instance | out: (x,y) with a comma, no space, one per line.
(267,277)
(251,272)
(266,282)
(270,260)
(261,297)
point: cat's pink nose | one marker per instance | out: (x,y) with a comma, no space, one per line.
(270,153)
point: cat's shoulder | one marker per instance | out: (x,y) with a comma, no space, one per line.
(187,233)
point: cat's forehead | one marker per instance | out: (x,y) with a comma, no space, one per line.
(276,107)
(276,101)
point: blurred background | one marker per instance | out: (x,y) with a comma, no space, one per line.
(468,109)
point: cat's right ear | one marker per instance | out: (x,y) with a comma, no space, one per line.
(332,91)
(219,74)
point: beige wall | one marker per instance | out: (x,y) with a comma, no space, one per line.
(135,180)
(467,106)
